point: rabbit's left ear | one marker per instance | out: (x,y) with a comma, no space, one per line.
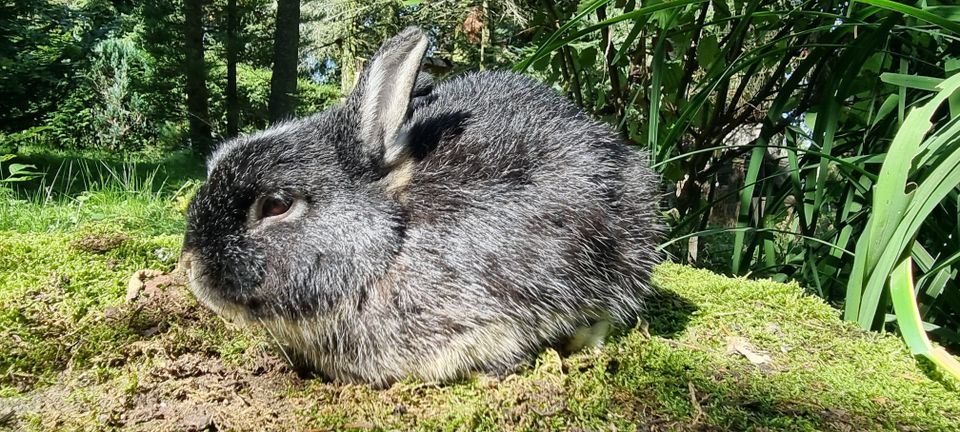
(384,95)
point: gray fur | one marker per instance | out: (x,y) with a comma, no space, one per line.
(513,221)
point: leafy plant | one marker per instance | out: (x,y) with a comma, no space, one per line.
(120,113)
(17,172)
(769,121)
(900,207)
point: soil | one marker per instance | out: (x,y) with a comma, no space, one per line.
(169,390)
(99,243)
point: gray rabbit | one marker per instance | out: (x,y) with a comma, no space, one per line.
(427,230)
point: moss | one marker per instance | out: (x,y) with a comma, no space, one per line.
(683,367)
(53,295)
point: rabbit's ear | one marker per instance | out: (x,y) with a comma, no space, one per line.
(385,93)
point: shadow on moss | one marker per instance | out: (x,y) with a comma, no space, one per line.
(932,371)
(668,313)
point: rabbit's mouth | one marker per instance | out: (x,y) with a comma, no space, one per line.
(199,284)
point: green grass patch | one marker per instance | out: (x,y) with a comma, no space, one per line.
(145,212)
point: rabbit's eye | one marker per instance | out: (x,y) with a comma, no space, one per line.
(275,206)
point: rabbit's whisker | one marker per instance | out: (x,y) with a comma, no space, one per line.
(279,345)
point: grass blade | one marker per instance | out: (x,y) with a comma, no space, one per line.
(746,197)
(910,323)
(898,216)
(919,14)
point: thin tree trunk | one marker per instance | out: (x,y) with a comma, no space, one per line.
(349,64)
(566,64)
(196,77)
(610,53)
(283,83)
(484,32)
(233,107)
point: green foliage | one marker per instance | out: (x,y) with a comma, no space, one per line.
(58,193)
(39,43)
(900,205)
(16,172)
(911,325)
(90,75)
(120,113)
(99,96)
(312,97)
(253,88)
(159,34)
(341,34)
(782,111)
(253,91)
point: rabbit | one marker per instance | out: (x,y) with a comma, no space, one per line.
(427,230)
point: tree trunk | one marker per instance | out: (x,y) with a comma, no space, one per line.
(484,32)
(233,107)
(196,75)
(351,65)
(283,83)
(567,66)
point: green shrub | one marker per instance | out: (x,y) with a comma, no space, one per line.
(120,114)
(315,97)
(253,93)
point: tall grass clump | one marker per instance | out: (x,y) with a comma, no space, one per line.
(920,171)
(772,123)
(76,192)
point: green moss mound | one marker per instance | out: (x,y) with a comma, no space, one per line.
(712,353)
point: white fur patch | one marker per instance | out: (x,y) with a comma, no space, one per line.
(485,346)
(589,337)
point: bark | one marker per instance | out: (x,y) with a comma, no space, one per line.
(283,83)
(233,105)
(196,77)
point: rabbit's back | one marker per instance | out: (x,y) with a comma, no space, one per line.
(522,215)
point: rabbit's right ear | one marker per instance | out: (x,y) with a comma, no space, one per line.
(384,95)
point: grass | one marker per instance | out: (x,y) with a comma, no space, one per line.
(147,195)
(75,355)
